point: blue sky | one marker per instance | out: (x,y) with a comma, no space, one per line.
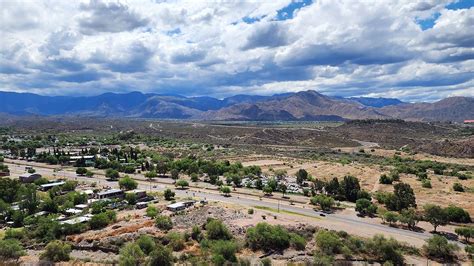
(415,50)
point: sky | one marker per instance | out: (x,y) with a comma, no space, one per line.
(414,50)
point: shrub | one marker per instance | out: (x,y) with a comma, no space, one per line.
(175,241)
(112,174)
(384,179)
(225,249)
(131,254)
(250,211)
(297,242)
(98,221)
(387,250)
(127,183)
(168,194)
(426,183)
(438,247)
(325,202)
(457,214)
(81,171)
(146,244)
(458,187)
(161,256)
(196,233)
(163,222)
(151,211)
(56,251)
(266,237)
(328,242)
(11,249)
(466,232)
(216,230)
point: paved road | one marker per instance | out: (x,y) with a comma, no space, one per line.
(329,221)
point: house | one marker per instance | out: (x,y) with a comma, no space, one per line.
(179,206)
(29,178)
(51,185)
(141,205)
(89,160)
(111,193)
(76,220)
(139,193)
(72,211)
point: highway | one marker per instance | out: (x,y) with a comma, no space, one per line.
(349,222)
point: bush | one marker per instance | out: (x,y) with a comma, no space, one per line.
(250,211)
(168,194)
(152,212)
(127,183)
(11,249)
(457,214)
(426,183)
(365,207)
(325,202)
(146,244)
(175,241)
(196,233)
(163,222)
(131,254)
(99,221)
(458,187)
(225,249)
(384,179)
(161,256)
(56,251)
(328,242)
(182,183)
(216,230)
(266,237)
(112,174)
(466,232)
(297,242)
(439,247)
(387,250)
(81,171)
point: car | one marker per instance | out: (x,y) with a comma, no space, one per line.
(322,214)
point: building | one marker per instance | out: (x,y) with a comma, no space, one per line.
(76,220)
(29,178)
(51,185)
(111,193)
(139,193)
(179,206)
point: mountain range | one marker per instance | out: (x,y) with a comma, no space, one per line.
(298,106)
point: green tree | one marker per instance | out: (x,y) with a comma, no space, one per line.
(350,188)
(161,256)
(146,244)
(325,202)
(56,251)
(365,207)
(127,183)
(182,183)
(112,174)
(99,221)
(438,247)
(402,198)
(409,217)
(267,237)
(151,211)
(226,249)
(391,217)
(466,232)
(81,171)
(131,255)
(225,190)
(457,214)
(328,242)
(168,194)
(216,230)
(11,249)
(458,187)
(174,174)
(301,176)
(131,198)
(384,179)
(282,187)
(435,215)
(267,190)
(163,222)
